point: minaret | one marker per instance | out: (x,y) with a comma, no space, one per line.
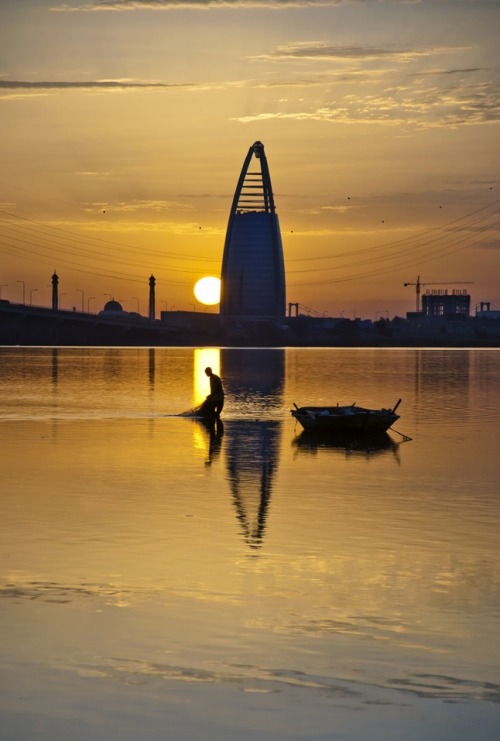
(253,270)
(55,291)
(152,283)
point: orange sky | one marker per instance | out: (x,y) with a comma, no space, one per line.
(125,125)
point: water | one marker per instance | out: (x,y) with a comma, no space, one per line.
(161,580)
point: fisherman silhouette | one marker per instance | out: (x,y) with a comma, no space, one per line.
(214,403)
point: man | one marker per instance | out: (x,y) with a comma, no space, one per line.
(214,402)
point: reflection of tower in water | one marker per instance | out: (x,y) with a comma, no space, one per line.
(252,453)
(253,380)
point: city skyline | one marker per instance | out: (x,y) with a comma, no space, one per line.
(124,125)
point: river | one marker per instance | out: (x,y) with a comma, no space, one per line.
(164,580)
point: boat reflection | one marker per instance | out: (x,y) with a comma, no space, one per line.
(252,454)
(347,446)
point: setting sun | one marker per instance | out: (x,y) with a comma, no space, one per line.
(207,290)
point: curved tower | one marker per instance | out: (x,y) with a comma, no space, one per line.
(253,270)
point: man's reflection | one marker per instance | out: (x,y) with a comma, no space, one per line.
(215,429)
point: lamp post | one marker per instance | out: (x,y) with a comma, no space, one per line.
(4,285)
(32,291)
(24,290)
(90,298)
(80,290)
(136,299)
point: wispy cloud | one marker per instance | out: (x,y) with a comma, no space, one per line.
(412,106)
(136,205)
(83,85)
(124,5)
(463,71)
(323,50)
(15,89)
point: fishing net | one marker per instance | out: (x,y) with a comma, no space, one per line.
(198,411)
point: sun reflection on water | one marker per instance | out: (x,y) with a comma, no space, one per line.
(204,357)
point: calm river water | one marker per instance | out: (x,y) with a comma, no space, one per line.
(162,581)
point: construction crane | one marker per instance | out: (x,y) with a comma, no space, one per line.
(418,286)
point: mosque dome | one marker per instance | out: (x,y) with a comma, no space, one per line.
(113,306)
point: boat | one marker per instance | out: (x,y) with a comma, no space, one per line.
(345,420)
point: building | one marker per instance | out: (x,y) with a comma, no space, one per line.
(439,304)
(253,270)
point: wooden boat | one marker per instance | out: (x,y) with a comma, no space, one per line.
(346,420)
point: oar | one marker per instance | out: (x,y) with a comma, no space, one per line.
(399,402)
(406,438)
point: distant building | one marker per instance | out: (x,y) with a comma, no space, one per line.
(439,304)
(486,312)
(253,270)
(112,307)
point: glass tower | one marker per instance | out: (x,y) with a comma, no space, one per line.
(253,270)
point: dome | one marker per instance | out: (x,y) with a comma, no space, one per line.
(113,306)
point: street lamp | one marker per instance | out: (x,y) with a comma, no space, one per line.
(88,303)
(24,290)
(32,291)
(80,290)
(136,299)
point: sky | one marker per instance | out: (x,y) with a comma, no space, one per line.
(125,123)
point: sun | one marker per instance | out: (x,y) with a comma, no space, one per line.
(207,290)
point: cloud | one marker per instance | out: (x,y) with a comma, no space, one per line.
(94,173)
(412,106)
(323,50)
(493,244)
(464,71)
(15,89)
(136,205)
(127,5)
(83,85)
